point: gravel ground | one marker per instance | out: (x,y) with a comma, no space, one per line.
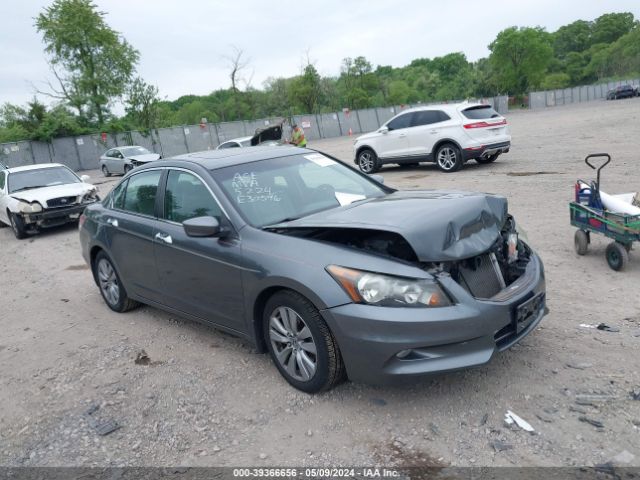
(203,398)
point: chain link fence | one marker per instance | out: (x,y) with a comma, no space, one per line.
(83,152)
(584,93)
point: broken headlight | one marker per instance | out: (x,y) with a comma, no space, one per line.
(91,196)
(388,291)
(25,207)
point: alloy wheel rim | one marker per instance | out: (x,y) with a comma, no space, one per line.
(293,344)
(108,282)
(447,158)
(366,162)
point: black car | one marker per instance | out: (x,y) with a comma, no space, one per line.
(326,268)
(623,91)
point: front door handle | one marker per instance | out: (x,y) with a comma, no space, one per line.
(113,222)
(433,131)
(163,237)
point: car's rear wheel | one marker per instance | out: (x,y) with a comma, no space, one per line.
(111,288)
(301,344)
(18,226)
(368,161)
(105,171)
(489,159)
(449,158)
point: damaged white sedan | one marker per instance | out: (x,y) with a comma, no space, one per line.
(41,196)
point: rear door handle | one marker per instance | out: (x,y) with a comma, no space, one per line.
(163,237)
(402,135)
(113,222)
(433,131)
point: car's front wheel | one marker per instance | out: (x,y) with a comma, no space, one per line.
(301,344)
(111,288)
(127,168)
(489,159)
(18,226)
(449,158)
(368,161)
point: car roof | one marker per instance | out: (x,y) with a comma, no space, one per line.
(37,166)
(239,139)
(214,159)
(446,106)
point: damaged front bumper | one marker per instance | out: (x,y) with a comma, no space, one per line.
(385,344)
(55,216)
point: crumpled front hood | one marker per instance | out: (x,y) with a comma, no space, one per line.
(145,157)
(439,225)
(41,195)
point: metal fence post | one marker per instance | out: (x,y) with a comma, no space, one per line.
(184,134)
(339,124)
(358,118)
(33,155)
(375,110)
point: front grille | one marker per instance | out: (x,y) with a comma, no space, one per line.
(481,276)
(61,202)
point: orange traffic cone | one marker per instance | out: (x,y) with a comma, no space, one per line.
(350,132)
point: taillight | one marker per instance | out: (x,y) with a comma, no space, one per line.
(485,124)
(81,220)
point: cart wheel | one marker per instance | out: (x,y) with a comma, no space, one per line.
(617,256)
(581,242)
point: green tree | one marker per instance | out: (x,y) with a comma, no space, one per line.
(91,62)
(609,27)
(142,104)
(574,37)
(520,57)
(305,90)
(554,81)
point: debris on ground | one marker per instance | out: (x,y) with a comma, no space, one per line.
(142,358)
(527,174)
(510,418)
(484,419)
(607,328)
(380,402)
(580,365)
(623,458)
(591,421)
(106,427)
(588,325)
(635,394)
(593,398)
(499,446)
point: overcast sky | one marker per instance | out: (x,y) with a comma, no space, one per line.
(182,43)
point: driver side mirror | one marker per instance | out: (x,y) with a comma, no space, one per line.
(383,129)
(202,227)
(85,178)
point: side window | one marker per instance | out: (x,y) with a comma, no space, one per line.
(117,197)
(403,121)
(425,117)
(229,145)
(187,197)
(2,182)
(140,193)
(443,116)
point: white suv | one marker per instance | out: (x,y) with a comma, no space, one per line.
(447,134)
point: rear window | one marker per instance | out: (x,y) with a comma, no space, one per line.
(480,112)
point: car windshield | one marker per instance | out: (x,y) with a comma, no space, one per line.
(130,151)
(41,177)
(282,189)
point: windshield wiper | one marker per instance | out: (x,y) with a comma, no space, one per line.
(284,220)
(29,188)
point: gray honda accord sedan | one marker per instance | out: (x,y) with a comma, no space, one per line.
(331,272)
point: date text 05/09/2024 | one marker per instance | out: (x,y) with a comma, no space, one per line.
(372,472)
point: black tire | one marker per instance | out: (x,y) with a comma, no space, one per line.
(368,161)
(329,368)
(123,303)
(18,226)
(449,158)
(617,256)
(127,168)
(105,171)
(489,159)
(581,242)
